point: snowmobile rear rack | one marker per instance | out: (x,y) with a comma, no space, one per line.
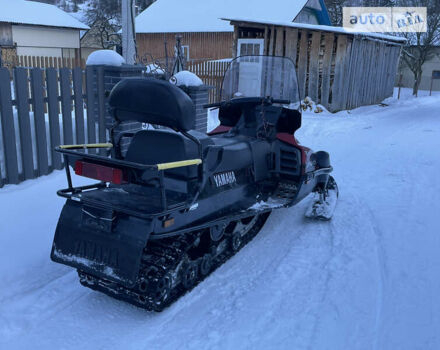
(73,156)
(71,150)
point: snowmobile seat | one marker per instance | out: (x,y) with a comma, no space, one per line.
(152,101)
(156,146)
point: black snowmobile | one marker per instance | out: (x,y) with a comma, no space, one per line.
(178,203)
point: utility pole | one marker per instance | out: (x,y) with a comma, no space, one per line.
(128,32)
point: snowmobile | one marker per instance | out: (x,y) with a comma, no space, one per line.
(177,203)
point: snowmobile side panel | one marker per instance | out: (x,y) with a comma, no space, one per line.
(100,242)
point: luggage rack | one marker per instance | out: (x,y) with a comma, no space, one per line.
(72,156)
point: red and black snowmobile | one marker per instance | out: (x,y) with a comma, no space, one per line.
(178,203)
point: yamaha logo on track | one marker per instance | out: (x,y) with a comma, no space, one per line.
(224,179)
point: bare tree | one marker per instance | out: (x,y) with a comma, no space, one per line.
(421,47)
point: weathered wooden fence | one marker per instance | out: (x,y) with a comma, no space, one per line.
(211,73)
(337,69)
(39,110)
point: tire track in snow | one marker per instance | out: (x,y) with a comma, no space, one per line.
(38,305)
(346,304)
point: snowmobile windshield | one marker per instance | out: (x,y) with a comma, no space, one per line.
(261,76)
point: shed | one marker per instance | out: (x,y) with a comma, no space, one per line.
(336,68)
(204,35)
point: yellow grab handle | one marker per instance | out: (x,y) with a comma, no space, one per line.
(181,164)
(90,145)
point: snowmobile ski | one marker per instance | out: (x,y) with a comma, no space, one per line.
(323,203)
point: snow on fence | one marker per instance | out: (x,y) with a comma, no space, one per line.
(39,110)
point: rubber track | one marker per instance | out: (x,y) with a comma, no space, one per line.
(163,257)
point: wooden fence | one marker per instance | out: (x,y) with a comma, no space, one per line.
(39,110)
(49,62)
(211,73)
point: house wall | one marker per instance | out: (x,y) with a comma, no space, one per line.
(428,67)
(5,34)
(86,51)
(307,16)
(202,46)
(45,41)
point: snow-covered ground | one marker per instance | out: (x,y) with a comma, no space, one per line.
(369,279)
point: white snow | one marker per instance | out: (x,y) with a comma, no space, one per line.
(105,57)
(171,16)
(368,279)
(154,68)
(30,12)
(186,78)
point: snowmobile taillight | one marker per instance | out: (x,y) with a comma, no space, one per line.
(99,172)
(168,223)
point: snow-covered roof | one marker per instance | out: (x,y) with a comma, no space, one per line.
(171,16)
(37,13)
(318,27)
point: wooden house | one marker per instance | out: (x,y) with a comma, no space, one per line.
(204,35)
(336,68)
(36,29)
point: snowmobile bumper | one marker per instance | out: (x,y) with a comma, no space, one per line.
(100,242)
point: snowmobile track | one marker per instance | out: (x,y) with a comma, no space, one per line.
(162,261)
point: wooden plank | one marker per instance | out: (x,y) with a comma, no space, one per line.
(40,123)
(360,77)
(24,122)
(235,42)
(279,43)
(90,93)
(352,74)
(266,40)
(79,105)
(292,44)
(66,106)
(338,90)
(314,66)
(101,108)
(387,68)
(54,119)
(326,68)
(8,129)
(380,71)
(302,63)
(370,72)
(272,41)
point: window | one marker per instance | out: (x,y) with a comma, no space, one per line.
(250,47)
